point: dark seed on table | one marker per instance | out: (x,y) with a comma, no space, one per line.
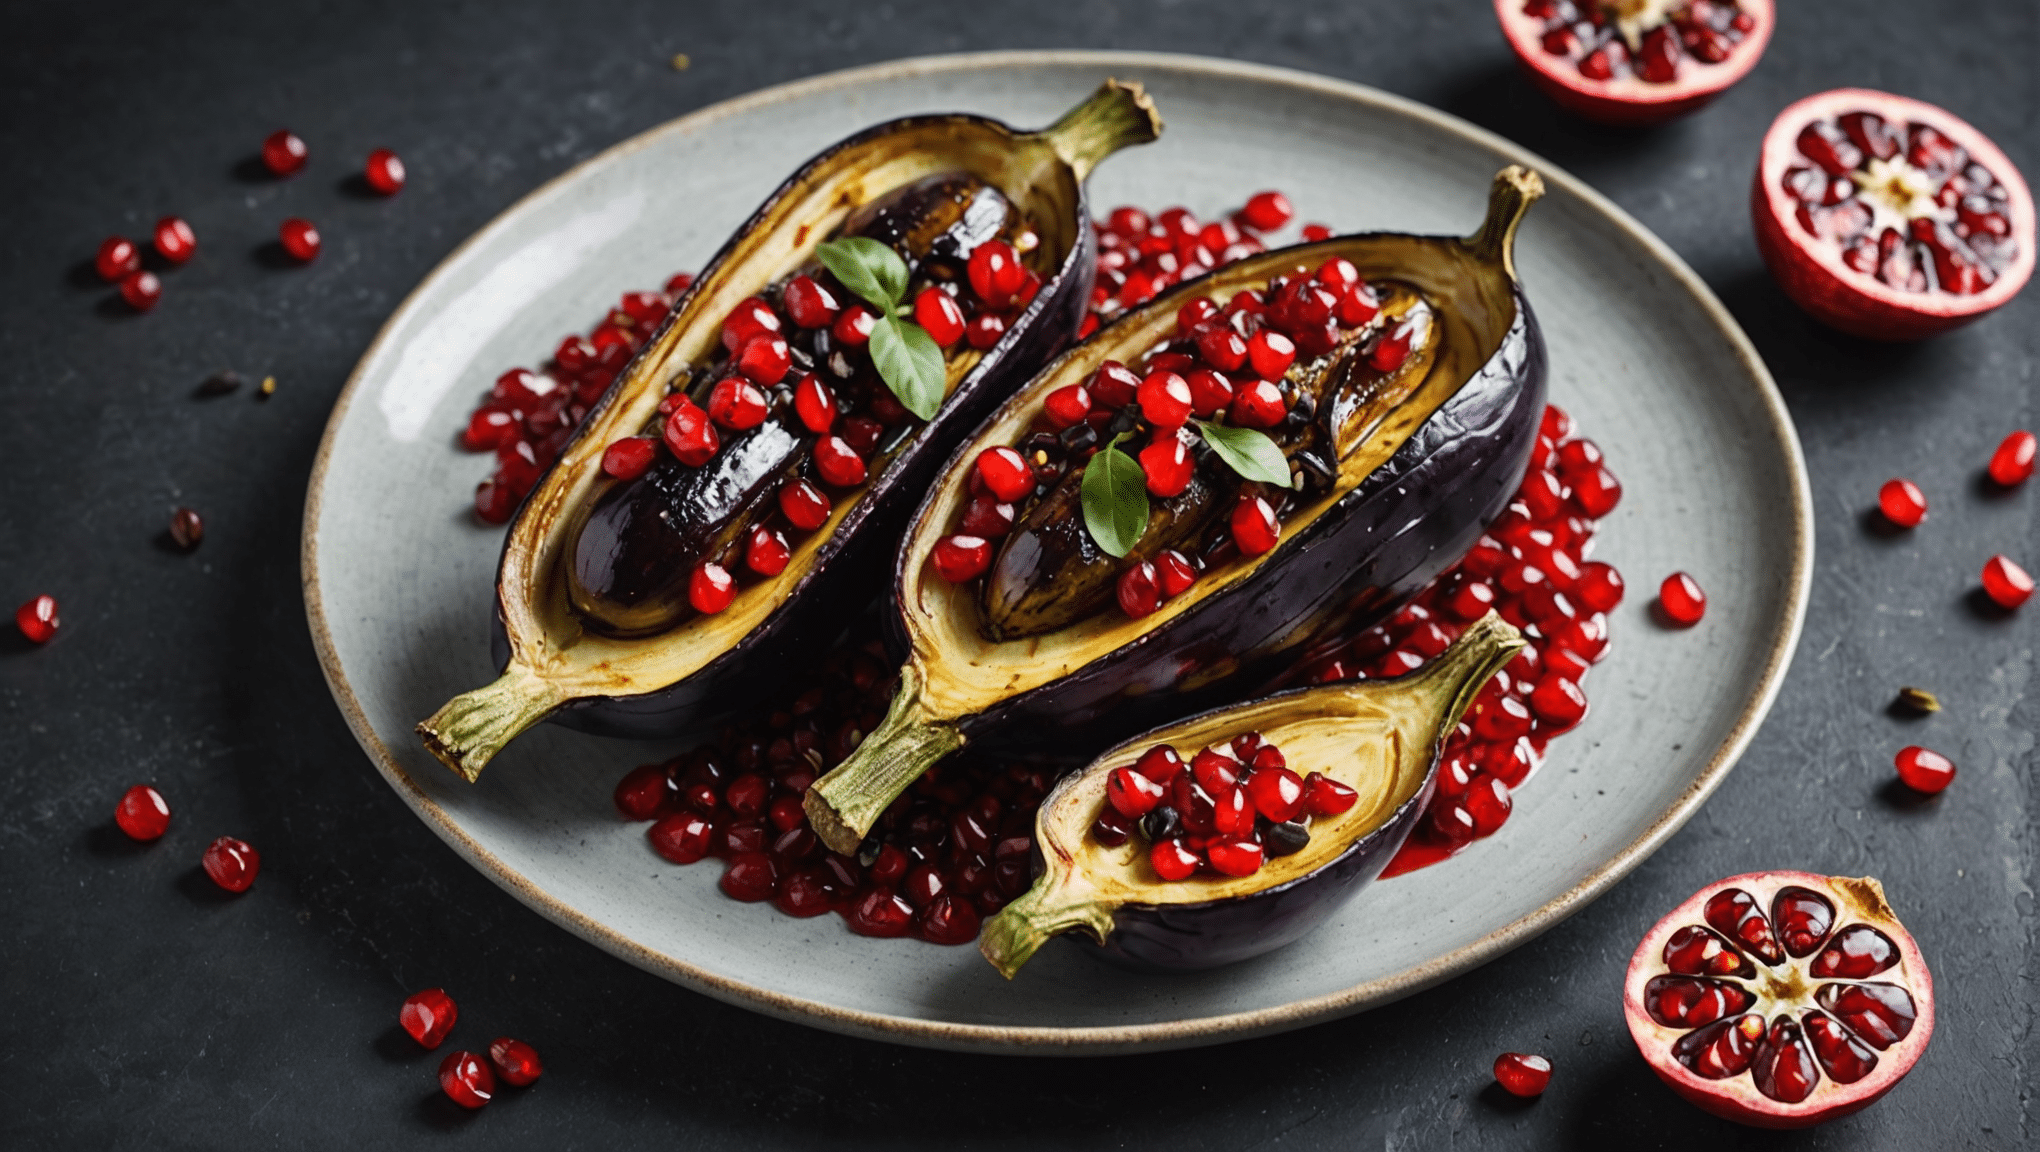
(220,383)
(187,528)
(1918,700)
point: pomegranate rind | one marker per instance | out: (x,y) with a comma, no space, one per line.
(1736,1098)
(1810,270)
(1626,100)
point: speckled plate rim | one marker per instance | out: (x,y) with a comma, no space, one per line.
(1141,1037)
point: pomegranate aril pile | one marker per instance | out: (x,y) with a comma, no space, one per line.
(1903,204)
(1654,45)
(1224,810)
(1784,996)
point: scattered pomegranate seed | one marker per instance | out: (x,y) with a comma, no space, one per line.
(187,528)
(37,619)
(1682,600)
(996,274)
(1254,526)
(737,404)
(142,813)
(852,328)
(1902,502)
(1271,353)
(1167,464)
(1924,770)
(690,435)
(1522,1074)
(516,1062)
(1259,404)
(231,863)
(683,837)
(710,589)
(767,552)
(1005,473)
(1266,211)
(1172,859)
(1066,407)
(1324,796)
(117,257)
(175,240)
(2005,582)
(2011,464)
(627,459)
(141,290)
(466,1079)
(961,558)
(839,463)
(936,312)
(1131,793)
(1312,233)
(384,172)
(283,153)
(1164,399)
(299,239)
(1139,590)
(428,1016)
(804,505)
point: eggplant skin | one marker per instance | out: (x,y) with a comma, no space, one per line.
(1190,937)
(852,568)
(1380,544)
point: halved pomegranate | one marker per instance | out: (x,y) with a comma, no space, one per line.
(1635,61)
(1780,999)
(1887,217)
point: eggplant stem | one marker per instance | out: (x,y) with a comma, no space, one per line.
(1118,115)
(1013,936)
(1487,644)
(844,804)
(1514,190)
(468,730)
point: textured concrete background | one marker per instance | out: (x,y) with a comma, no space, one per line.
(139,1008)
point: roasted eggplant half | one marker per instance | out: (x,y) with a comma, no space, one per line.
(1129,869)
(1347,470)
(737,495)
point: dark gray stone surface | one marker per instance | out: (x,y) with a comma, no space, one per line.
(140,1008)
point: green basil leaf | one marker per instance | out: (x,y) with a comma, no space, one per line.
(910,364)
(868,268)
(1115,499)
(1247,451)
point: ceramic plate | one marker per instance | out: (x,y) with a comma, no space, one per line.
(398,575)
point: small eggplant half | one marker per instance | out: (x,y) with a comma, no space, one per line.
(1379,737)
(588,657)
(1412,494)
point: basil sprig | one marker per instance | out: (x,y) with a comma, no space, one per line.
(907,358)
(1114,488)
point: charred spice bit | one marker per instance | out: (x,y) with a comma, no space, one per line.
(1918,700)
(268,388)
(220,383)
(187,528)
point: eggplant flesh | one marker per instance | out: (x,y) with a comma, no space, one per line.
(1380,737)
(1422,485)
(554,665)
(1050,573)
(636,551)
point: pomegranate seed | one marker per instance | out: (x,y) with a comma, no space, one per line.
(1175,572)
(1209,392)
(174,239)
(1324,796)
(949,920)
(1471,601)
(466,1079)
(117,257)
(643,792)
(809,304)
(996,274)
(1271,353)
(1173,860)
(299,239)
(839,464)
(683,837)
(2005,582)
(882,913)
(1312,233)
(1599,586)
(1131,793)
(765,358)
(283,153)
(1682,600)
(1167,463)
(1266,211)
(428,1016)
(1165,399)
(141,290)
(748,794)
(986,516)
(1222,348)
(627,459)
(1902,503)
(961,558)
(37,619)
(1005,473)
(494,501)
(1216,769)
(736,404)
(1924,770)
(487,429)
(937,314)
(142,813)
(1276,791)
(1160,764)
(1558,702)
(1254,527)
(1236,857)
(1259,404)
(767,552)
(1193,313)
(1066,407)
(853,326)
(231,863)
(803,505)
(1139,591)
(814,403)
(1522,1074)
(1114,385)
(710,589)
(751,878)
(1128,221)
(516,1062)
(2011,464)
(384,172)
(690,435)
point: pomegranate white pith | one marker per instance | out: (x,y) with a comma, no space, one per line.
(1780,999)
(1635,61)
(1887,217)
